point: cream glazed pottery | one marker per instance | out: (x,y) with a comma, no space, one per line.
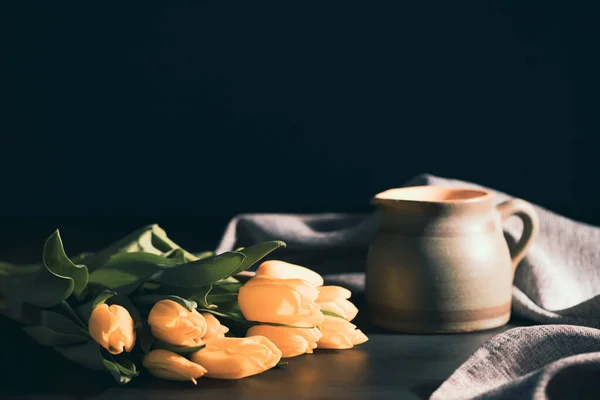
(440,262)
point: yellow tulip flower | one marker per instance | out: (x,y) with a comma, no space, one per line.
(339,334)
(291,341)
(214,327)
(235,358)
(174,324)
(283,301)
(165,364)
(112,327)
(284,270)
(335,298)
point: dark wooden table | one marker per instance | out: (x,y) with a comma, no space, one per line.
(388,366)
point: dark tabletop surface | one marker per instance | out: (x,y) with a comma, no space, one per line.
(389,365)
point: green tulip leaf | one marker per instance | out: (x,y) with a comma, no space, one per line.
(151,299)
(125,272)
(43,285)
(7,269)
(55,329)
(231,308)
(243,277)
(202,272)
(149,239)
(25,314)
(204,254)
(256,252)
(149,286)
(177,255)
(159,344)
(125,366)
(229,316)
(49,337)
(221,298)
(90,355)
(79,258)
(57,262)
(62,324)
(227,286)
(102,297)
(40,288)
(145,338)
(161,242)
(66,310)
(332,314)
(196,294)
(121,374)
(200,296)
(87,354)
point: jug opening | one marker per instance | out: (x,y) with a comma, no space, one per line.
(433,194)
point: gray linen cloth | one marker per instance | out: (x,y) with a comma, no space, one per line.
(557,283)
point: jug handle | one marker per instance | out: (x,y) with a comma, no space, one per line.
(526,212)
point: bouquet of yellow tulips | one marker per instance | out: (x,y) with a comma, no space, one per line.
(145,301)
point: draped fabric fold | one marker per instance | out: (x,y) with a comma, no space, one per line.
(558,282)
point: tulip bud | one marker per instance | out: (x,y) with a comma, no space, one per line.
(165,364)
(283,301)
(284,270)
(339,334)
(174,324)
(112,327)
(235,358)
(291,341)
(214,328)
(334,298)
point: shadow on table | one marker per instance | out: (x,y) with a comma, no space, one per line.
(30,369)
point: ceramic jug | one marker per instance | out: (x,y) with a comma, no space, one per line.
(440,262)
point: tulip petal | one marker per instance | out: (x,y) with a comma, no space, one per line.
(174,324)
(214,328)
(358,337)
(335,341)
(168,365)
(338,333)
(112,328)
(283,301)
(235,358)
(341,307)
(127,327)
(350,309)
(284,270)
(291,341)
(331,293)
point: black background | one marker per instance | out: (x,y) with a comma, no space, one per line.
(115,116)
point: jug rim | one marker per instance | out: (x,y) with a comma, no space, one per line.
(434,194)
